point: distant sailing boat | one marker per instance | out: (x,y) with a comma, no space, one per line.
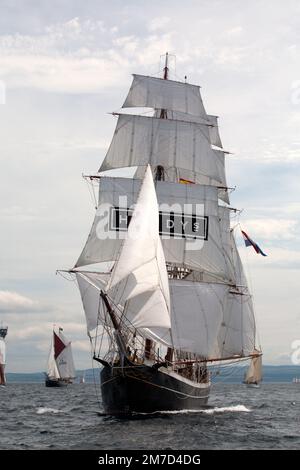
(3,333)
(167,294)
(253,374)
(82,379)
(61,369)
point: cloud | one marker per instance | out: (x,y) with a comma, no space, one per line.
(235,31)
(285,357)
(32,332)
(159,23)
(83,345)
(272,229)
(60,74)
(77,56)
(14,302)
(277,258)
(19,213)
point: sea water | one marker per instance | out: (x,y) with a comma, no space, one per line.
(35,417)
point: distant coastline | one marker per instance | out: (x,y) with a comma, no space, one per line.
(271,374)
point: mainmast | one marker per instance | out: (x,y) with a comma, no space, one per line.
(160,176)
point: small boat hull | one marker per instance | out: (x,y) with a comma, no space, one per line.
(55,383)
(145,389)
(253,385)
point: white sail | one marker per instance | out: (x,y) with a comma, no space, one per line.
(95,311)
(209,119)
(63,356)
(2,351)
(204,254)
(157,93)
(197,311)
(214,131)
(240,276)
(178,146)
(254,372)
(238,330)
(237,334)
(228,242)
(90,286)
(52,370)
(142,263)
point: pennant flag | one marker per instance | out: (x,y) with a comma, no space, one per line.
(249,242)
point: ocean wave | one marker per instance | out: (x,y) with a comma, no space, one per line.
(42,410)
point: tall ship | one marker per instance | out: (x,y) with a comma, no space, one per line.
(3,333)
(60,365)
(160,277)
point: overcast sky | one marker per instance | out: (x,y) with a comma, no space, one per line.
(64,65)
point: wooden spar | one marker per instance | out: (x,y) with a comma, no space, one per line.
(110,311)
(116,325)
(251,356)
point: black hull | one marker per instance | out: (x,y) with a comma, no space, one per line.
(55,383)
(144,389)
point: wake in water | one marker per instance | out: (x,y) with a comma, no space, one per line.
(208,410)
(41,411)
(225,409)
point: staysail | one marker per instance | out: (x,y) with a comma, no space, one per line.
(142,263)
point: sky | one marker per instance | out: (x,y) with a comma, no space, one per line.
(64,67)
